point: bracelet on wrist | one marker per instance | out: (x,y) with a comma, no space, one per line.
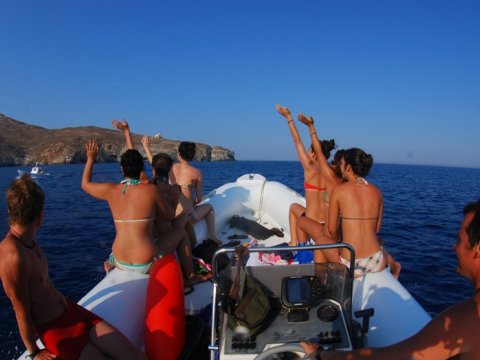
(289,121)
(313,133)
(34,353)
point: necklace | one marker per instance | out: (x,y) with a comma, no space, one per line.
(19,239)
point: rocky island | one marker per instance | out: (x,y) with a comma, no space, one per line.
(24,144)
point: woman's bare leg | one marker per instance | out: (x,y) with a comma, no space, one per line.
(295,211)
(317,232)
(176,240)
(206,211)
(191,232)
(395,266)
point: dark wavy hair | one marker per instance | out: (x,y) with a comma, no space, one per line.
(187,150)
(473,228)
(337,159)
(327,147)
(359,160)
(25,201)
(132,163)
(162,164)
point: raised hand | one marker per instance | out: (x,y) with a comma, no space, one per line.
(120,125)
(307,120)
(284,111)
(146,142)
(91,148)
(146,147)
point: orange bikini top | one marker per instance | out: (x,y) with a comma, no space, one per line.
(313,187)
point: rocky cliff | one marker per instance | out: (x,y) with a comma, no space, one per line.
(22,144)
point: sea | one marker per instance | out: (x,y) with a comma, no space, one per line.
(422,212)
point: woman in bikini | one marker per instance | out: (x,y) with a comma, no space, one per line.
(134,206)
(315,183)
(357,206)
(170,236)
(189,179)
(330,173)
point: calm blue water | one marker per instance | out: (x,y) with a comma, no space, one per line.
(423,208)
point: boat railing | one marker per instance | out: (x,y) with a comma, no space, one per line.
(213,346)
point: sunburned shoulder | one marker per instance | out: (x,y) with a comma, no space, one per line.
(10,254)
(462,318)
(8,247)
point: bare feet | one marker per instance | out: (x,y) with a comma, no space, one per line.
(395,269)
(194,279)
(108,266)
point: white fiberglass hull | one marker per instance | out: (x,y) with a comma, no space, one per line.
(120,297)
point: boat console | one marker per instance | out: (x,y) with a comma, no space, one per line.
(309,303)
(324,323)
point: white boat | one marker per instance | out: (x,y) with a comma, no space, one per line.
(35,171)
(120,297)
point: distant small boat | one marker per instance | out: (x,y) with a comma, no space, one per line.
(35,171)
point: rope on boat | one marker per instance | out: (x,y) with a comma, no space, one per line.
(260,205)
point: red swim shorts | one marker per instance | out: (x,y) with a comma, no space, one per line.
(67,334)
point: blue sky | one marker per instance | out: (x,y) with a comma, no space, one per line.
(400,79)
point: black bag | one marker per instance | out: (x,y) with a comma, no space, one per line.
(205,251)
(258,231)
(247,304)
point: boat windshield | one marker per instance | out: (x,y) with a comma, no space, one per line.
(338,284)
(334,278)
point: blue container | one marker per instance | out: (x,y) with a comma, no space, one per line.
(304,256)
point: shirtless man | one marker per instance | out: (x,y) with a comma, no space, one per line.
(134,206)
(66,329)
(455,331)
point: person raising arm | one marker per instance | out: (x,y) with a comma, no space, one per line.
(134,206)
(314,185)
(66,329)
(323,149)
(452,333)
